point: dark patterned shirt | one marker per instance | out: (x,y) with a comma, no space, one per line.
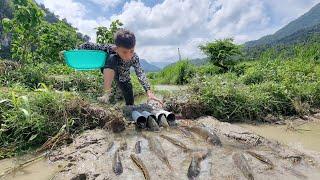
(122,67)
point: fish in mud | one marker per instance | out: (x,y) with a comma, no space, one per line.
(204,132)
(141,165)
(295,172)
(262,159)
(152,124)
(117,165)
(175,142)
(137,147)
(173,123)
(185,132)
(156,147)
(194,167)
(123,146)
(163,122)
(110,145)
(241,162)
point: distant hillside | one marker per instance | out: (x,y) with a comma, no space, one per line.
(148,67)
(303,23)
(161,64)
(196,62)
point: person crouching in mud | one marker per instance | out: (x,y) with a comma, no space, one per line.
(117,67)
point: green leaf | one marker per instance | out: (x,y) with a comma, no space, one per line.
(4,100)
(33,137)
(25,112)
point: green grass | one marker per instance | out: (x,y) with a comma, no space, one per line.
(278,87)
(60,77)
(276,84)
(179,73)
(29,118)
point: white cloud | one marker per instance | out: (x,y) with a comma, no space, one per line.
(75,13)
(107,4)
(161,29)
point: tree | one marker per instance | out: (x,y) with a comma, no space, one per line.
(24,28)
(222,53)
(105,35)
(54,38)
(34,39)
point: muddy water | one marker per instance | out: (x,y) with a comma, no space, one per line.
(306,136)
(39,169)
(170,87)
(159,90)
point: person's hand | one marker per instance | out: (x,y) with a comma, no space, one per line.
(104,99)
(151,96)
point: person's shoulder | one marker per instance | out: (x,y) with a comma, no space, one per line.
(113,58)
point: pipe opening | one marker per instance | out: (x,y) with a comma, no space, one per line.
(171,117)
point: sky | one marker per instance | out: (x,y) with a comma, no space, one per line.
(163,26)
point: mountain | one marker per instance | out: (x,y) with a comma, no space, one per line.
(303,23)
(161,64)
(148,67)
(196,62)
(303,35)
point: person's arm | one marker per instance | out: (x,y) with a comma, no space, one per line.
(140,73)
(143,79)
(108,48)
(108,75)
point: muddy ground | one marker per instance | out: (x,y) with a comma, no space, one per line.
(92,155)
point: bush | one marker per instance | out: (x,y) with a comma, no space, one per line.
(267,87)
(29,118)
(222,53)
(179,73)
(60,77)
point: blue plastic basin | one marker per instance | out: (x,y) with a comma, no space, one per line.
(85,59)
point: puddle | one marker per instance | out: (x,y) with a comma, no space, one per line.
(38,169)
(306,136)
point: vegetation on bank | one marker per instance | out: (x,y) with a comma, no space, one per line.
(40,95)
(279,83)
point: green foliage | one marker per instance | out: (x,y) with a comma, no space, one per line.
(54,38)
(33,39)
(222,53)
(208,70)
(24,29)
(105,35)
(178,73)
(30,118)
(57,76)
(265,87)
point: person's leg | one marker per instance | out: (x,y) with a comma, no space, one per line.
(127,92)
